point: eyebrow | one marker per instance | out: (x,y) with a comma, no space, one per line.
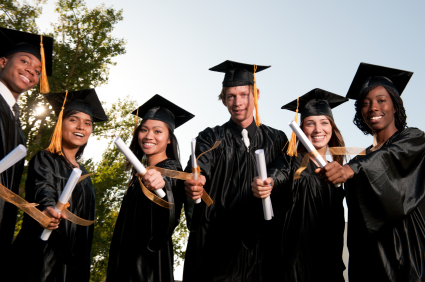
(152,127)
(80,118)
(313,120)
(38,66)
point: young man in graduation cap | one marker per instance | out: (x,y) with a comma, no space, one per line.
(385,188)
(22,64)
(217,247)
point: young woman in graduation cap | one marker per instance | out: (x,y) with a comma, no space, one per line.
(141,247)
(385,188)
(305,241)
(66,255)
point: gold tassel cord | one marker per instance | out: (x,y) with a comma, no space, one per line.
(55,146)
(292,148)
(135,119)
(44,83)
(257,115)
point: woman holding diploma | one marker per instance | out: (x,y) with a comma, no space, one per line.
(65,256)
(385,188)
(306,241)
(141,247)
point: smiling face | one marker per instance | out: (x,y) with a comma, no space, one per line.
(318,130)
(378,110)
(153,137)
(20,72)
(76,130)
(240,103)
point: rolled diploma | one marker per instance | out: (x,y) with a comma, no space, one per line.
(64,197)
(135,162)
(307,144)
(13,157)
(262,173)
(194,164)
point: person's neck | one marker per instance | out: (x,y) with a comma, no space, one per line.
(384,135)
(70,154)
(156,158)
(14,94)
(322,151)
(245,123)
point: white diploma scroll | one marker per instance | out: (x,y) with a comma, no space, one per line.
(13,157)
(135,162)
(262,174)
(64,197)
(194,164)
(307,144)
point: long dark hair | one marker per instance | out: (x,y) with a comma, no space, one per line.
(399,115)
(335,141)
(67,114)
(172,150)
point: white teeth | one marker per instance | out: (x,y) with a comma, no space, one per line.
(149,144)
(79,134)
(375,118)
(26,79)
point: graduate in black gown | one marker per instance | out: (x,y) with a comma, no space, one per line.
(20,70)
(385,188)
(217,248)
(141,247)
(65,256)
(306,241)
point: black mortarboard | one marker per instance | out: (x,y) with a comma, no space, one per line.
(13,41)
(159,108)
(368,75)
(317,102)
(85,101)
(238,74)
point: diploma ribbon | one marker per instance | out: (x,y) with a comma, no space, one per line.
(28,208)
(176,175)
(334,151)
(72,217)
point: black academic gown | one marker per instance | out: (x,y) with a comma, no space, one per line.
(386,211)
(11,136)
(141,247)
(305,239)
(217,249)
(65,257)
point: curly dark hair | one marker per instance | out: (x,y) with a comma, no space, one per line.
(399,115)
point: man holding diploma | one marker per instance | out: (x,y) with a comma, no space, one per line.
(20,70)
(216,248)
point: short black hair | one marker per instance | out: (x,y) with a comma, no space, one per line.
(399,116)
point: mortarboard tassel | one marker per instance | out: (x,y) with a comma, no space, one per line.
(135,119)
(55,146)
(292,147)
(44,83)
(257,115)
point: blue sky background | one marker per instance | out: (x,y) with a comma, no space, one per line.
(172,44)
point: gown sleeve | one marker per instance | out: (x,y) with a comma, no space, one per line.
(389,182)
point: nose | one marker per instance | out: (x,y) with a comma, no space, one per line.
(373,106)
(318,128)
(149,134)
(238,101)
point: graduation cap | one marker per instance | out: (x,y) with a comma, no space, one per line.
(13,41)
(239,74)
(159,108)
(85,101)
(317,102)
(369,75)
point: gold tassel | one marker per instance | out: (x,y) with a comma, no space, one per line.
(55,146)
(257,115)
(44,83)
(292,148)
(135,119)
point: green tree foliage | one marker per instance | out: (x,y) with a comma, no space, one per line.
(83,52)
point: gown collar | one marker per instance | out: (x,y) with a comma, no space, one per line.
(237,129)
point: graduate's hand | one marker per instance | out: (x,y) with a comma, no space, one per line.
(262,189)
(54,216)
(195,188)
(153,180)
(335,173)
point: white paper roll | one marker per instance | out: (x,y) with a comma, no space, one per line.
(13,157)
(307,144)
(135,162)
(194,164)
(64,197)
(262,173)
